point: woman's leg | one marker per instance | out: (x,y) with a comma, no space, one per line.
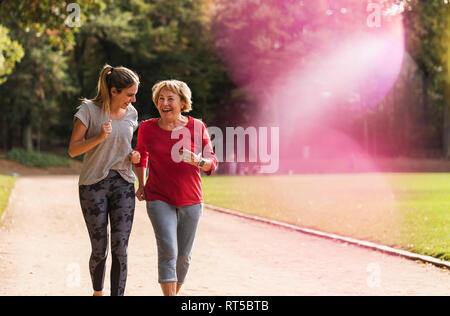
(121,205)
(179,287)
(94,207)
(188,219)
(169,288)
(164,221)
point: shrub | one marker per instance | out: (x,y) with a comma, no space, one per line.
(34,159)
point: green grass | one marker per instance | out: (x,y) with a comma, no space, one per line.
(6,185)
(34,159)
(406,211)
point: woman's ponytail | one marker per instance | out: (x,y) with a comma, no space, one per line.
(103,98)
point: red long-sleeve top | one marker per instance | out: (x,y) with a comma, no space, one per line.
(176,183)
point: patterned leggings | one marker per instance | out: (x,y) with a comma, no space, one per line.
(113,197)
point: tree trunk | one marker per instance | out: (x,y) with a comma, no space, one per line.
(79,50)
(27,137)
(446,129)
(4,131)
(446,123)
(425,98)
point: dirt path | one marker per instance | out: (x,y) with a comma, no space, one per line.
(44,250)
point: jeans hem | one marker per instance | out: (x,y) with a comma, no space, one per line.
(167,281)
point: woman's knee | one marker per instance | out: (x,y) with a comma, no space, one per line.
(119,252)
(167,253)
(184,260)
(100,251)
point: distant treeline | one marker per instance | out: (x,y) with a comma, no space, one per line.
(47,64)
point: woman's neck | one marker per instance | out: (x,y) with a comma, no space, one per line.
(115,108)
(117,112)
(170,124)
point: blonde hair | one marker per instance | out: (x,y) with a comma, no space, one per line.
(175,86)
(112,77)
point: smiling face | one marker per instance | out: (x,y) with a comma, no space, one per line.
(125,97)
(169,104)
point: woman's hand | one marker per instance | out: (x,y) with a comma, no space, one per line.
(106,130)
(79,145)
(135,157)
(189,157)
(140,194)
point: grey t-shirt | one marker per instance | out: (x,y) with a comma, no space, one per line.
(111,154)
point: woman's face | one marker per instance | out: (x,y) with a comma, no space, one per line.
(169,104)
(125,97)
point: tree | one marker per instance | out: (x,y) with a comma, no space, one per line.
(159,39)
(10,53)
(30,98)
(428,38)
(41,29)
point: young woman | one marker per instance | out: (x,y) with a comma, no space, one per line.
(173,190)
(103,130)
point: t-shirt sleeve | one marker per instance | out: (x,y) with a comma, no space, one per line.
(135,120)
(83,115)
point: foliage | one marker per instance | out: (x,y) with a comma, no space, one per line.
(198,41)
(47,16)
(159,40)
(31,98)
(41,80)
(427,40)
(427,26)
(10,53)
(35,159)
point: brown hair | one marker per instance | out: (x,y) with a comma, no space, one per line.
(112,77)
(178,87)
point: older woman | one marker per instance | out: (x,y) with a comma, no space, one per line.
(173,190)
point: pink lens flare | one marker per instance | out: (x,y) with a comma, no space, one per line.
(311,63)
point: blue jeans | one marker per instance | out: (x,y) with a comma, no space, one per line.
(175,228)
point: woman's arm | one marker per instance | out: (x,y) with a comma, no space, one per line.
(79,145)
(141,166)
(140,193)
(140,172)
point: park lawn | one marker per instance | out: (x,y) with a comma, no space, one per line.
(406,211)
(6,185)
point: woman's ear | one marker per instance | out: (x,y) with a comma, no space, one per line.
(183,105)
(115,91)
